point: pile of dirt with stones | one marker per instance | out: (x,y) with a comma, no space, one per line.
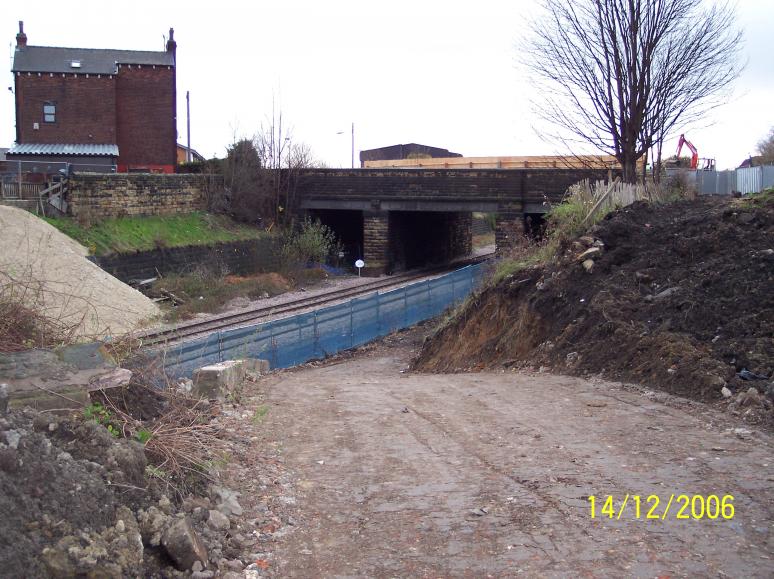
(677,297)
(78,500)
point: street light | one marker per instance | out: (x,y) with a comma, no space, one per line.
(353,143)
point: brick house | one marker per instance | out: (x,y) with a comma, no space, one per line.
(97,108)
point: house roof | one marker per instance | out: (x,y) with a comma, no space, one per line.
(755,161)
(92,60)
(86,150)
(194,153)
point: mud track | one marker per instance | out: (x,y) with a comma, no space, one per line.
(488,474)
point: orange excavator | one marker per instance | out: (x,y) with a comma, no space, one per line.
(708,165)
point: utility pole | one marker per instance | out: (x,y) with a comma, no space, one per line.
(353,143)
(188,156)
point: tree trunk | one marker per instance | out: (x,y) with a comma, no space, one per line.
(629,166)
(658,167)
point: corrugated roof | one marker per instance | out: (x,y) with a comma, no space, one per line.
(87,150)
(92,60)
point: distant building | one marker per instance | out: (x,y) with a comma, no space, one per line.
(408,151)
(756,161)
(96,107)
(186,155)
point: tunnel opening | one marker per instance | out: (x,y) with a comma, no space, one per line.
(348,227)
(535,226)
(419,239)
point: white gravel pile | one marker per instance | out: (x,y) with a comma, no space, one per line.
(55,276)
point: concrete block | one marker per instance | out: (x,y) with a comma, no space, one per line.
(216,380)
(60,378)
(256,366)
(64,397)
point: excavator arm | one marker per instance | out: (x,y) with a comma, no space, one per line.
(694,152)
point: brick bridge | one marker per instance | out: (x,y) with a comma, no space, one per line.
(403,218)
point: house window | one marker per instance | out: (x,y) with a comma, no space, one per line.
(49,112)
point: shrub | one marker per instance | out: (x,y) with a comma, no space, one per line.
(25,322)
(678,186)
(584,205)
(313,242)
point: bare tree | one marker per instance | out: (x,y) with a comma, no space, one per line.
(281,159)
(302,157)
(766,149)
(622,75)
(260,173)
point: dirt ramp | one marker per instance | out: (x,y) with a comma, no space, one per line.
(49,272)
(676,297)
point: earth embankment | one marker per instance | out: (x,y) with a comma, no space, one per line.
(676,297)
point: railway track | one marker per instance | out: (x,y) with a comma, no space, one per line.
(190,330)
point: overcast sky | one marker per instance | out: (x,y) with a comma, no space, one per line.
(440,73)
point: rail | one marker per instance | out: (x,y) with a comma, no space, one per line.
(191,330)
(295,339)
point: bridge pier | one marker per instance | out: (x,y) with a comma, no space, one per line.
(509,226)
(396,240)
(376,242)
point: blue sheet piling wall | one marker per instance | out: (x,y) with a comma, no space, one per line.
(294,340)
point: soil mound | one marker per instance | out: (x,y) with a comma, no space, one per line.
(59,478)
(677,297)
(55,278)
(79,501)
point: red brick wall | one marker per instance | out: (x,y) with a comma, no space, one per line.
(85,108)
(147,127)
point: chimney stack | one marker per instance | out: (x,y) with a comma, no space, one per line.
(21,38)
(171,44)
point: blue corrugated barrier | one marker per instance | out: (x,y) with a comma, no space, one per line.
(291,341)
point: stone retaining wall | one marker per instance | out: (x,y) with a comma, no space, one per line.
(238,257)
(101,196)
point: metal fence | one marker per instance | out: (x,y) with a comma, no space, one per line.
(715,182)
(315,335)
(754,179)
(24,175)
(15,190)
(745,181)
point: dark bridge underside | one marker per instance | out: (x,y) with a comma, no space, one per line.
(410,217)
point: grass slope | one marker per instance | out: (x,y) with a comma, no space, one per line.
(129,234)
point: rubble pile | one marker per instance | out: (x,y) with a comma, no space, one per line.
(79,501)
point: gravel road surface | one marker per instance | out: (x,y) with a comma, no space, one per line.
(489,474)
